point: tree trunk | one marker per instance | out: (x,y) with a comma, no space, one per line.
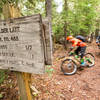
(65,35)
(65,24)
(48,8)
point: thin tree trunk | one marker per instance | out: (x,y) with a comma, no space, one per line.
(48,8)
(65,24)
(65,35)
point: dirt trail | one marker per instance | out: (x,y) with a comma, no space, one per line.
(84,85)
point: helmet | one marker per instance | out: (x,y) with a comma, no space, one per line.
(69,37)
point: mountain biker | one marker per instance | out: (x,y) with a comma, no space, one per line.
(78,46)
(98,41)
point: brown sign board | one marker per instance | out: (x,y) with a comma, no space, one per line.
(21,44)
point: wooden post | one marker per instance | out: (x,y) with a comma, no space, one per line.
(10,11)
(24,85)
(48,41)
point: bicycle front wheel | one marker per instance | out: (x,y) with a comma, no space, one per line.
(68,67)
(89,59)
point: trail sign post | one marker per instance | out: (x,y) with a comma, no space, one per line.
(23,47)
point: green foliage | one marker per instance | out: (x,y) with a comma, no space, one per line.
(30,7)
(1,96)
(49,70)
(27,7)
(81,17)
(3,75)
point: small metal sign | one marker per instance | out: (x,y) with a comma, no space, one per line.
(21,44)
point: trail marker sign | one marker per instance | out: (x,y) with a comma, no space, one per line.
(21,44)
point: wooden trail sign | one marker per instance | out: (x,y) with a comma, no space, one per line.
(21,44)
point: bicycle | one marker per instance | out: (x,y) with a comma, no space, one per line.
(71,63)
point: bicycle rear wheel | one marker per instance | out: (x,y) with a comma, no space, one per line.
(89,59)
(68,67)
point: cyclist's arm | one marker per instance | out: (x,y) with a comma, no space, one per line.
(73,48)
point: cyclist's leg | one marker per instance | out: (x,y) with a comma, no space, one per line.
(82,52)
(77,50)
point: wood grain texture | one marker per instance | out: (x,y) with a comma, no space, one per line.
(48,41)
(21,44)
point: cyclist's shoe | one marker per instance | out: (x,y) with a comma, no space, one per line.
(83,64)
(76,56)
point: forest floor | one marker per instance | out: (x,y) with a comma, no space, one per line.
(84,85)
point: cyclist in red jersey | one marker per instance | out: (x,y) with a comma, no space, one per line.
(80,47)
